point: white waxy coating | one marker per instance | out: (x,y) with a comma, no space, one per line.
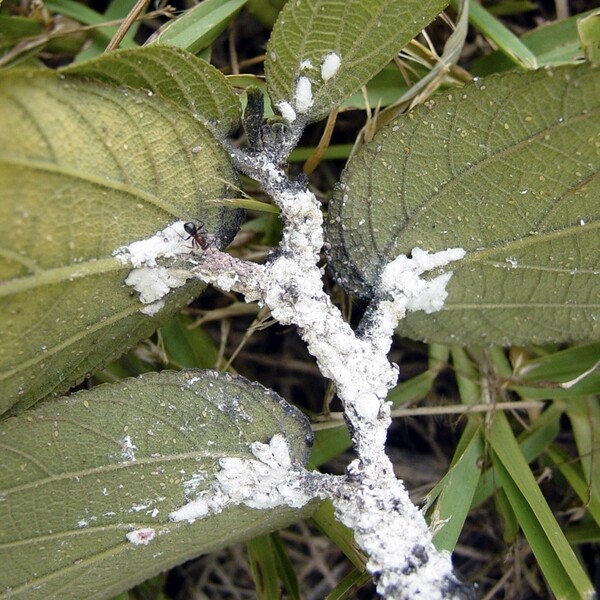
(304,97)
(387,526)
(402,278)
(287,112)
(269,481)
(141,537)
(329,67)
(151,281)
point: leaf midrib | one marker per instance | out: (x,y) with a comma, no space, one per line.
(59,275)
(445,188)
(103,182)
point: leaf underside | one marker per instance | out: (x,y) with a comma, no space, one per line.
(506,168)
(365,34)
(176,75)
(78,474)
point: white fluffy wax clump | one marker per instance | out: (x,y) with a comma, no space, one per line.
(151,281)
(330,66)
(168,243)
(402,279)
(267,482)
(141,537)
(304,97)
(287,112)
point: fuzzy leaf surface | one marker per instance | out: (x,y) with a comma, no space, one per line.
(78,474)
(508,169)
(365,34)
(176,75)
(85,168)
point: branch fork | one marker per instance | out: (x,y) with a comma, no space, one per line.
(369,499)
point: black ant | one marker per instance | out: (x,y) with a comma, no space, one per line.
(198,239)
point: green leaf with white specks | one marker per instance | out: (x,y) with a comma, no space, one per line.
(507,168)
(364,34)
(77,475)
(87,166)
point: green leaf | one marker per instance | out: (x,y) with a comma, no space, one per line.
(266,11)
(506,168)
(382,90)
(502,37)
(559,579)
(87,167)
(332,152)
(198,27)
(416,388)
(503,504)
(103,31)
(456,492)
(552,551)
(532,444)
(338,533)
(329,443)
(263,567)
(570,373)
(589,32)
(512,7)
(187,345)
(12,28)
(78,474)
(285,567)
(553,43)
(364,34)
(586,533)
(586,490)
(176,75)
(584,415)
(271,565)
(348,587)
